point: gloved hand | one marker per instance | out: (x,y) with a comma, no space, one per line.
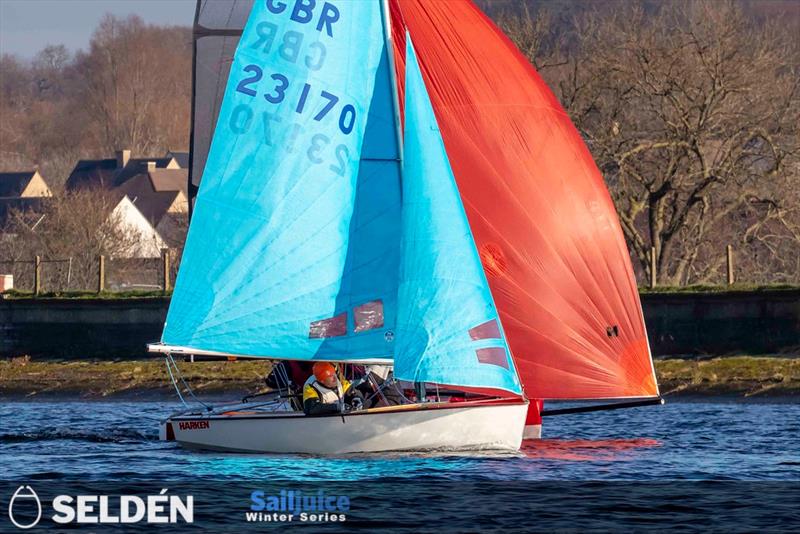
(356,404)
(358,381)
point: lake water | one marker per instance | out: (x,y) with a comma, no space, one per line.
(680,442)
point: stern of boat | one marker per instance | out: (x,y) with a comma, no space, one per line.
(533,420)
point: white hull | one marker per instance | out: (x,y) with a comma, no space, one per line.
(463,426)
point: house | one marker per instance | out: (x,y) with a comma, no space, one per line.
(113,172)
(150,202)
(182,158)
(148,242)
(25,184)
(30,212)
(160,197)
(170,180)
(23,194)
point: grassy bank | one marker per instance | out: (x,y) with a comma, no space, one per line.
(748,376)
(147,378)
(743,376)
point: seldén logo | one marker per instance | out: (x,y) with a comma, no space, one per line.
(25,509)
(21,504)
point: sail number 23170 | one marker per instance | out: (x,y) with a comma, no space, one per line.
(277,94)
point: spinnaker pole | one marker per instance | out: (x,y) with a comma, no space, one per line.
(603,407)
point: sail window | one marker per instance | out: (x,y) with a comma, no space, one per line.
(487,330)
(493,356)
(333,327)
(368,316)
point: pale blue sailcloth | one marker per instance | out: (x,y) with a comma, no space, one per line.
(448,331)
(293,246)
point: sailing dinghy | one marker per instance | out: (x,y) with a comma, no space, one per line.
(390,182)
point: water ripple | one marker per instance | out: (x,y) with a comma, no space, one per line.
(718,440)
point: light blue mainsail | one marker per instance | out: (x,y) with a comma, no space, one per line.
(448,331)
(293,246)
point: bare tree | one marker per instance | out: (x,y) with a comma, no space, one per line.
(131,89)
(692,114)
(80,225)
(536,35)
(136,79)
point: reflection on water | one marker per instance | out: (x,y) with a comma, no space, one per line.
(681,440)
(578,450)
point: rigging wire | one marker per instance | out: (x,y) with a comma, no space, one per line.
(174,383)
(188,389)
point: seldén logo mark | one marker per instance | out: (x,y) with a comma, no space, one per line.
(21,504)
(25,508)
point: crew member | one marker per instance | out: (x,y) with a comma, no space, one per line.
(290,376)
(324,392)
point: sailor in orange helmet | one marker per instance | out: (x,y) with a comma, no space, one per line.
(325,393)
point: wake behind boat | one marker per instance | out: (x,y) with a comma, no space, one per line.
(390,182)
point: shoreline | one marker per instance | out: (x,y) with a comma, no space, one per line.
(736,378)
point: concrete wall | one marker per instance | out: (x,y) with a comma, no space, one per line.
(752,322)
(81,328)
(711,323)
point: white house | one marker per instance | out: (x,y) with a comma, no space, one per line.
(147,243)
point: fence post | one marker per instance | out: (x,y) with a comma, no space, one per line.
(37,275)
(653,274)
(729,252)
(101,273)
(69,273)
(165,269)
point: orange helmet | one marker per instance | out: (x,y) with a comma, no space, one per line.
(324,371)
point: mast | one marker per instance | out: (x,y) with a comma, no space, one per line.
(191,189)
(387,30)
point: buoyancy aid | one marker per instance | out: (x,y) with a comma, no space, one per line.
(314,389)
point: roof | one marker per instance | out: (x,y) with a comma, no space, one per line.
(182,158)
(153,204)
(12,184)
(92,173)
(30,206)
(170,180)
(105,173)
(138,165)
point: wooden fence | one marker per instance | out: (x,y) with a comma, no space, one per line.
(57,275)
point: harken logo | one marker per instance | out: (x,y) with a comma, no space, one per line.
(193,425)
(23,506)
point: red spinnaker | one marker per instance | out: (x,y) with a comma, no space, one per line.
(543,220)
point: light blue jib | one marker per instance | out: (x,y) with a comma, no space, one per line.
(294,243)
(448,331)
